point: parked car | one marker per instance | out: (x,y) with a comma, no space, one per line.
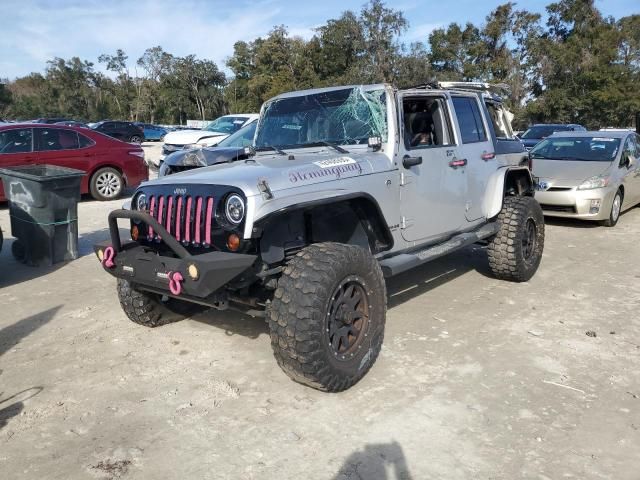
(152,132)
(209,136)
(228,150)
(72,123)
(111,165)
(48,120)
(534,134)
(125,131)
(348,185)
(588,175)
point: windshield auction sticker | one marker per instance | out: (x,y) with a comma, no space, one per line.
(334,162)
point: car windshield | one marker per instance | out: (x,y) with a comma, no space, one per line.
(543,131)
(242,138)
(226,124)
(347,116)
(591,149)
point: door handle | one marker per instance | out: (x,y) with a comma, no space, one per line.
(460,162)
(408,162)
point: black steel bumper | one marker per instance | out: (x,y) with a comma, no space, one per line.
(146,267)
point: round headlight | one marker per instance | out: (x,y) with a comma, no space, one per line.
(141,202)
(234,209)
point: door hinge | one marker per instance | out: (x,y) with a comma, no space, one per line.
(404,179)
(405,223)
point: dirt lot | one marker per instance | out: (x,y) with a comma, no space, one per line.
(478,379)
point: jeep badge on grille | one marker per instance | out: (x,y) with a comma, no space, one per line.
(180,191)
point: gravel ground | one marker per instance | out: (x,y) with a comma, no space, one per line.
(477,379)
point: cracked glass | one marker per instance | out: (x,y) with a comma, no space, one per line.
(348,116)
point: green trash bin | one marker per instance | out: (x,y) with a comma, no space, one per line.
(43,208)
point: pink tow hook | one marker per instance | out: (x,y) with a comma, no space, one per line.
(175,287)
(107,259)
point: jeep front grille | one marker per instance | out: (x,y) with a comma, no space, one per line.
(187,218)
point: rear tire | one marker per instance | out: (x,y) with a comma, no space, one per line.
(148,309)
(18,251)
(616,208)
(515,251)
(135,139)
(327,316)
(106,184)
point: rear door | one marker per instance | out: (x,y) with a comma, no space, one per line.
(59,146)
(16,148)
(433,186)
(476,150)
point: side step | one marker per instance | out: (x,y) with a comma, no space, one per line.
(406,261)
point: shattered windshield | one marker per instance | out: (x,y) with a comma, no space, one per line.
(348,116)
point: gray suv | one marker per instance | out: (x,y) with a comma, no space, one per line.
(344,186)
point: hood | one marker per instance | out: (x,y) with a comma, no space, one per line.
(186,137)
(307,168)
(530,142)
(569,173)
(200,157)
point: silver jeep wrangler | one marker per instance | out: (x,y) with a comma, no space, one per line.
(344,186)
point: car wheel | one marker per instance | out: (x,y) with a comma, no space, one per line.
(18,251)
(327,316)
(515,251)
(616,207)
(106,184)
(153,310)
(135,139)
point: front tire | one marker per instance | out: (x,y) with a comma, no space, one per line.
(327,316)
(135,139)
(616,208)
(106,184)
(149,309)
(515,251)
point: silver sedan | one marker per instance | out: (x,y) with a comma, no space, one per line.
(588,175)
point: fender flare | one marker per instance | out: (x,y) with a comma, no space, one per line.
(500,181)
(378,228)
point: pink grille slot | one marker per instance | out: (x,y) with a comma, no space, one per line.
(187,222)
(152,208)
(207,228)
(198,219)
(160,210)
(169,212)
(178,217)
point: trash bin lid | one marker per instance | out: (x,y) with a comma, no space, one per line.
(40,173)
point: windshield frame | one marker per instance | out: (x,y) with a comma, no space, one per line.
(616,142)
(379,111)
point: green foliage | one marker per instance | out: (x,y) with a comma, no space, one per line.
(576,67)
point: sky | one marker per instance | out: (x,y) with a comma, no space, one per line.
(34,31)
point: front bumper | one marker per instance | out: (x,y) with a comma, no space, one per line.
(574,203)
(150,269)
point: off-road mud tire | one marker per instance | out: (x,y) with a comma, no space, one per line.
(148,309)
(298,315)
(506,250)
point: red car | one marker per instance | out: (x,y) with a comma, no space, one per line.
(111,165)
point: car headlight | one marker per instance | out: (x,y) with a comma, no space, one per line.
(234,209)
(594,182)
(191,146)
(141,202)
(194,159)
